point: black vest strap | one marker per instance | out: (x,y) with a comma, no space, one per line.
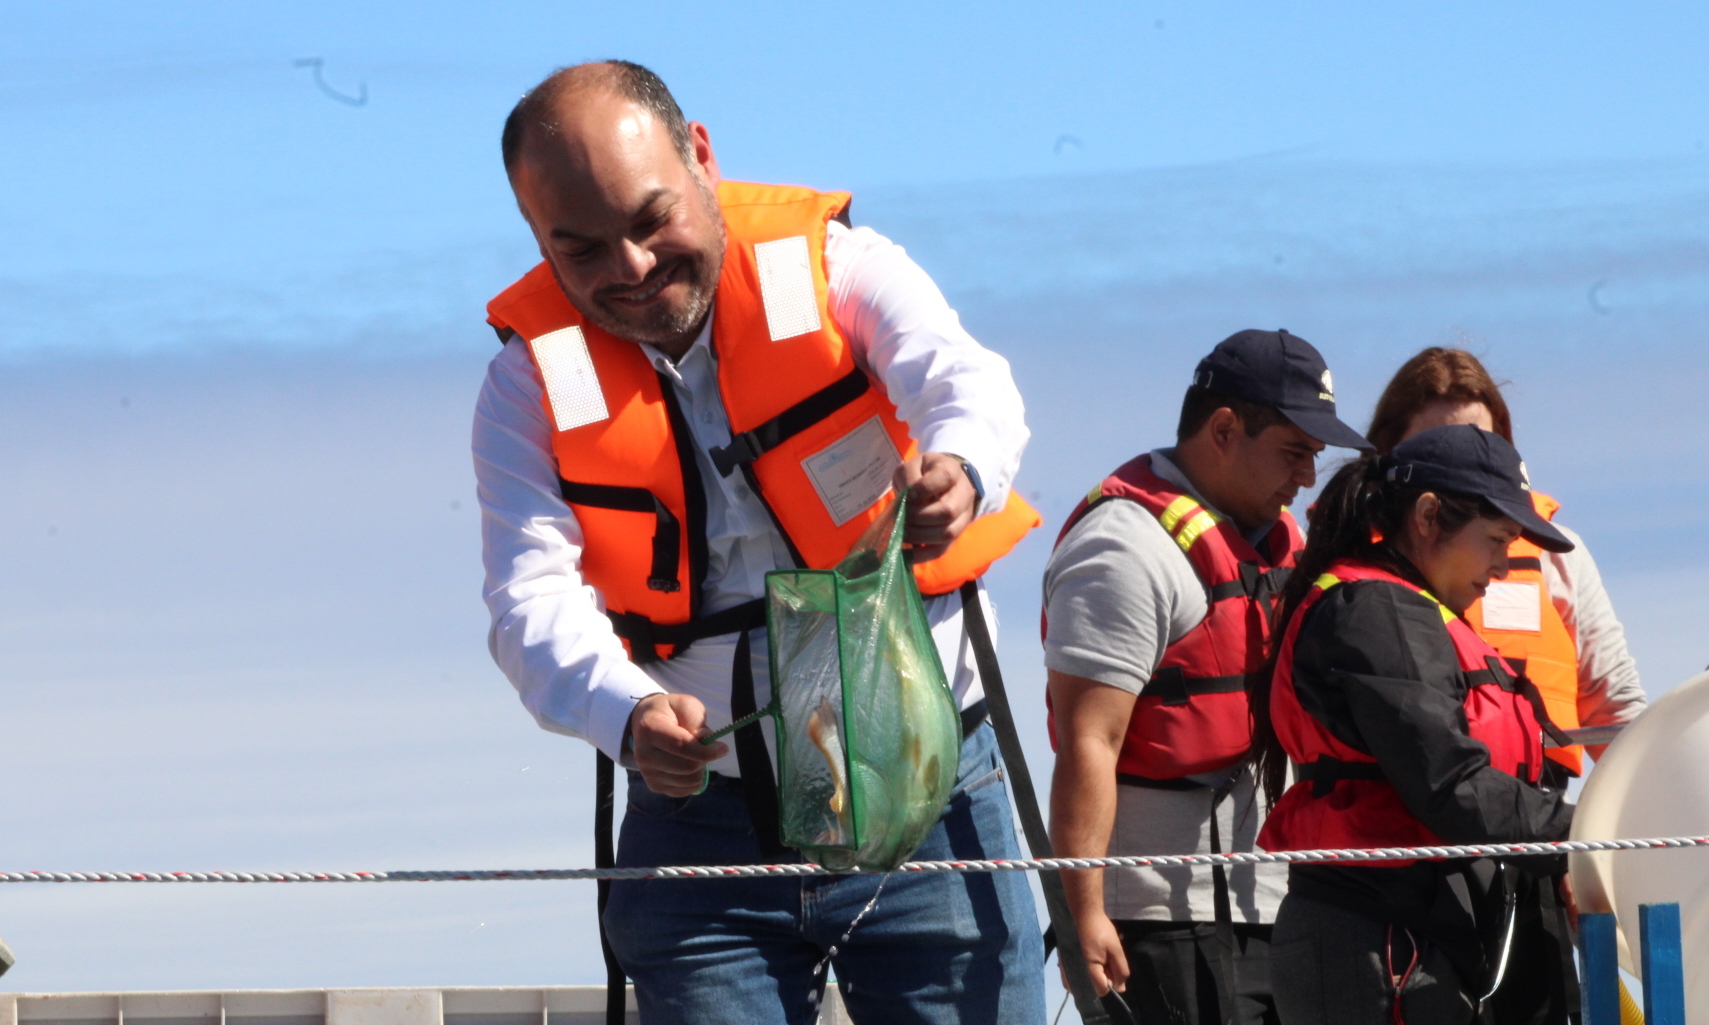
(759,782)
(750,445)
(667,541)
(1255,582)
(1175,687)
(1495,673)
(604,856)
(644,635)
(1324,773)
(1530,562)
(1226,985)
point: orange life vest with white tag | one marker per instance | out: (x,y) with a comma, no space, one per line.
(812,434)
(1519,619)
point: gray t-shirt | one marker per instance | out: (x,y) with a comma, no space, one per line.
(1117,592)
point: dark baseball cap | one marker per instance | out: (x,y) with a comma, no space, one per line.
(1285,372)
(1467,460)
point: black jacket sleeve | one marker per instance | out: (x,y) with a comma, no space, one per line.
(1374,663)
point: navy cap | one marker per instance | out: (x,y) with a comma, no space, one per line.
(1467,460)
(1283,371)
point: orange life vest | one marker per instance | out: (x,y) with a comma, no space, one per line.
(1518,619)
(812,435)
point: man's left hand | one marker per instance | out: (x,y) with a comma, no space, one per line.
(941,502)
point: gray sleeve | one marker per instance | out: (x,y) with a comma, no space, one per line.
(1608,687)
(1117,591)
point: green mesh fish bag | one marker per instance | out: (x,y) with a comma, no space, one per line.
(868,735)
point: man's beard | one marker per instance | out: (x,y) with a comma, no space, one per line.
(665,326)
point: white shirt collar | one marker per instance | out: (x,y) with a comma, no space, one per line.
(702,341)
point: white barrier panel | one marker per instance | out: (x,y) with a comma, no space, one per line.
(1653,779)
(461,1005)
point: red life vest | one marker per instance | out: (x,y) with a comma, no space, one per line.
(812,435)
(1192,715)
(1342,799)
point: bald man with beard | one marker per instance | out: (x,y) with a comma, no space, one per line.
(702,382)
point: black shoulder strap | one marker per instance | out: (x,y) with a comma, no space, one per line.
(1069,952)
(748,446)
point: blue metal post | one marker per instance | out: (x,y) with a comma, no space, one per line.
(1599,954)
(1664,965)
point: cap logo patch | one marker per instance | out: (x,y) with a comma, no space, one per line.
(1328,392)
(1524,476)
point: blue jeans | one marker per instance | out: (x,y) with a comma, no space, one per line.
(935,948)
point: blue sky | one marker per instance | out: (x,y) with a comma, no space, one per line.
(240,337)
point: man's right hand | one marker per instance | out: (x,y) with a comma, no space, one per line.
(1105,957)
(665,732)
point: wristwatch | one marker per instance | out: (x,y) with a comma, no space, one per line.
(973,478)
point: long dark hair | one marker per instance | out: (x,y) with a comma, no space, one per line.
(1355,516)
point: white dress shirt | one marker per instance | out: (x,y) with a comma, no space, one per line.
(549,632)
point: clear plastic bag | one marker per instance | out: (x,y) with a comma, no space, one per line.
(869,738)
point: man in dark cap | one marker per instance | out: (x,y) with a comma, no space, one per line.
(1157,604)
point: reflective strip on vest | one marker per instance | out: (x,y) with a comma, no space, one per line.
(786,287)
(1328,580)
(566,369)
(1186,520)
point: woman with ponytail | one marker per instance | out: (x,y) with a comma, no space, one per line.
(1403,728)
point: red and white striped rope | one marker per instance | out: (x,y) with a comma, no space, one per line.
(1343,856)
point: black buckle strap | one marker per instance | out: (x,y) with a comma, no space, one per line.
(1175,687)
(644,635)
(1496,674)
(667,537)
(748,446)
(1523,686)
(1324,773)
(1255,583)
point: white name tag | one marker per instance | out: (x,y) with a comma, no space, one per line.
(854,472)
(1513,606)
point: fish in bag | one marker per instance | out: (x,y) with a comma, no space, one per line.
(869,737)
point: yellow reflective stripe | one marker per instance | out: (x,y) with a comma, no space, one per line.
(1174,511)
(1447,613)
(1096,493)
(1190,531)
(1328,580)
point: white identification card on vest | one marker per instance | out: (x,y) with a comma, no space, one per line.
(854,472)
(1513,606)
